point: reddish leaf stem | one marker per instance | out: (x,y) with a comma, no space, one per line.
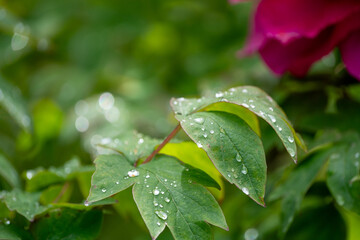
(167,139)
(62,191)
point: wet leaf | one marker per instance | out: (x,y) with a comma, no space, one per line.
(9,173)
(235,149)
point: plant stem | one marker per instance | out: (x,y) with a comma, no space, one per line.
(167,139)
(62,191)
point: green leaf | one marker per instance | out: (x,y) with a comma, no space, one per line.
(8,172)
(189,153)
(235,150)
(132,145)
(26,204)
(39,179)
(167,194)
(343,171)
(111,176)
(70,224)
(251,98)
(164,191)
(13,103)
(293,190)
(12,232)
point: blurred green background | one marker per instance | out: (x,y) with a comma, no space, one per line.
(88,70)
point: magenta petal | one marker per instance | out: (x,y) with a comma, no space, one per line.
(290,19)
(350,52)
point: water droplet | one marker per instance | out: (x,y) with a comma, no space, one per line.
(147,176)
(156,203)
(106,101)
(251,234)
(86,203)
(203,128)
(219,95)
(161,206)
(291,139)
(244,170)
(272,118)
(252,106)
(158,223)
(117,182)
(271,109)
(199,120)
(165,180)
(161,215)
(133,173)
(357,155)
(245,105)
(141,141)
(244,90)
(189,181)
(103,190)
(245,190)
(291,152)
(19,41)
(81,108)
(105,141)
(7,222)
(199,145)
(211,123)
(340,200)
(235,175)
(156,191)
(82,124)
(238,157)
(229,175)
(175,102)
(279,128)
(147,185)
(233,170)
(205,135)
(167,199)
(211,131)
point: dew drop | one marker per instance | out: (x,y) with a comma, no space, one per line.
(245,190)
(7,222)
(238,157)
(103,190)
(117,182)
(158,223)
(106,101)
(133,173)
(272,118)
(156,191)
(211,131)
(141,141)
(199,145)
(244,90)
(82,124)
(244,170)
(245,105)
(147,185)
(251,234)
(199,120)
(205,135)
(167,199)
(19,41)
(147,176)
(357,155)
(291,139)
(252,106)
(233,170)
(271,109)
(161,215)
(279,128)
(219,95)
(291,152)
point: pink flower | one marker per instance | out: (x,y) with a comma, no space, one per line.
(291,35)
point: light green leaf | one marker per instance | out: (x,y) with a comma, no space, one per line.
(70,224)
(13,103)
(235,149)
(251,98)
(167,194)
(293,190)
(26,204)
(343,170)
(189,153)
(132,145)
(8,172)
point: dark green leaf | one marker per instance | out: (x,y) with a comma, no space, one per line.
(70,224)
(297,184)
(343,169)
(235,150)
(27,204)
(8,172)
(253,99)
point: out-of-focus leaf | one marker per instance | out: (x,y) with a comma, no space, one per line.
(293,190)
(26,204)
(59,193)
(132,145)
(12,232)
(251,98)
(326,223)
(12,101)
(344,166)
(70,224)
(9,173)
(39,179)
(235,149)
(165,191)
(189,153)
(353,223)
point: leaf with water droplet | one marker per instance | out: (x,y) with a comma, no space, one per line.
(342,169)
(241,97)
(13,102)
(233,139)
(293,189)
(185,207)
(26,204)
